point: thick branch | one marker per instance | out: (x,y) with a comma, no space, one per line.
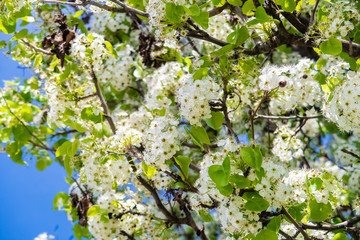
(218,10)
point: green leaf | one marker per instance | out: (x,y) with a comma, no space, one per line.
(68,148)
(340,236)
(174,12)
(194,140)
(266,234)
(223,50)
(240,182)
(7,25)
(206,217)
(348,59)
(2,44)
(200,134)
(148,170)
(216,120)
(93,211)
(184,163)
(193,10)
(88,114)
(15,152)
(241,35)
(319,211)
(43,162)
(62,150)
(80,231)
(220,173)
(248,8)
(38,60)
(73,148)
(202,19)
(255,202)
(320,78)
(67,166)
(110,48)
(261,15)
(252,157)
(79,13)
(274,224)
(226,166)
(61,199)
(20,35)
(297,211)
(217,174)
(106,129)
(287,5)
(77,126)
(235,2)
(226,190)
(315,183)
(332,46)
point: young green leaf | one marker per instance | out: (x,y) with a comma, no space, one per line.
(202,19)
(93,211)
(266,234)
(235,2)
(206,217)
(255,202)
(200,134)
(332,46)
(20,35)
(319,211)
(240,182)
(216,120)
(184,163)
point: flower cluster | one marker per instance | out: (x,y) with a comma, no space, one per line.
(194,98)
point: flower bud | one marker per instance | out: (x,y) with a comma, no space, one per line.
(282,83)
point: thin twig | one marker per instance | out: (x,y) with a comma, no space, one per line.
(131,9)
(344,225)
(350,153)
(22,123)
(296,224)
(253,115)
(37,49)
(86,96)
(107,113)
(287,117)
(312,18)
(225,111)
(87,2)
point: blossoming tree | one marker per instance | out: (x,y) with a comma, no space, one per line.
(186,119)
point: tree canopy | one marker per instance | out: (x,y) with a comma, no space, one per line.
(184,119)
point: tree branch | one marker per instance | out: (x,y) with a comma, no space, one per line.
(37,49)
(313,13)
(87,2)
(107,113)
(287,117)
(22,123)
(347,225)
(158,202)
(297,225)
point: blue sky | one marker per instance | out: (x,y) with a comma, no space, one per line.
(26,193)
